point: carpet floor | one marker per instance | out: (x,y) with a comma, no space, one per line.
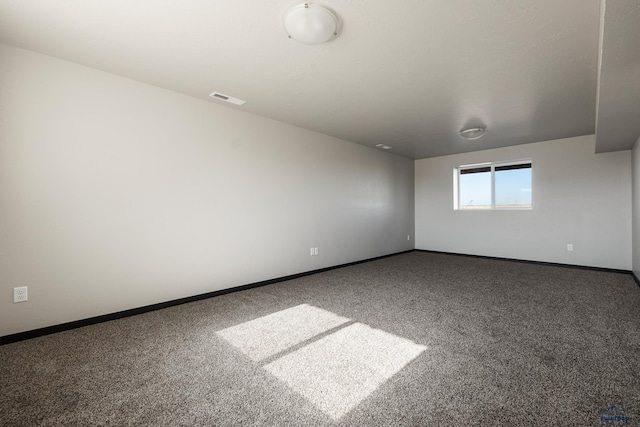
(416,339)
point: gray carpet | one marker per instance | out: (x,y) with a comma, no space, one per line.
(416,339)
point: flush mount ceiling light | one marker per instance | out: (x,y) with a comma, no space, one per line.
(384,147)
(311,23)
(473,133)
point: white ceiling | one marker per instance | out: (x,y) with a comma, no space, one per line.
(618,115)
(409,74)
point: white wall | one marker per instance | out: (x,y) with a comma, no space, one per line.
(579,197)
(636,208)
(116,194)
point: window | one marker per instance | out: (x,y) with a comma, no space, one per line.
(493,186)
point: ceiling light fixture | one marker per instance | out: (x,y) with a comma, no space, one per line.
(384,147)
(473,133)
(311,23)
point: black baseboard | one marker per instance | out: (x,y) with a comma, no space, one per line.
(552,264)
(21,336)
(635,278)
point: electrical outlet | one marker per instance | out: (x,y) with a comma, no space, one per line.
(20,294)
(570,247)
(315,251)
(311,251)
(408,236)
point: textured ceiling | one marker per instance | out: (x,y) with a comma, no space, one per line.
(409,74)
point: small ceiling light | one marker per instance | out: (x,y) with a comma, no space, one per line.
(311,23)
(384,147)
(473,133)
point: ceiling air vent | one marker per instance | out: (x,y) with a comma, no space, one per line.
(226,98)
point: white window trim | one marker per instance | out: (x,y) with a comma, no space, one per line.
(493,166)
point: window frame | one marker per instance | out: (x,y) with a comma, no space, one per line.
(457,171)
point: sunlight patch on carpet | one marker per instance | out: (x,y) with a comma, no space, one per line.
(269,335)
(335,372)
(339,371)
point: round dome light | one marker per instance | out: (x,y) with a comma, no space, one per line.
(474,133)
(311,23)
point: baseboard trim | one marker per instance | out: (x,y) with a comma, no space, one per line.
(635,278)
(525,261)
(48,330)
